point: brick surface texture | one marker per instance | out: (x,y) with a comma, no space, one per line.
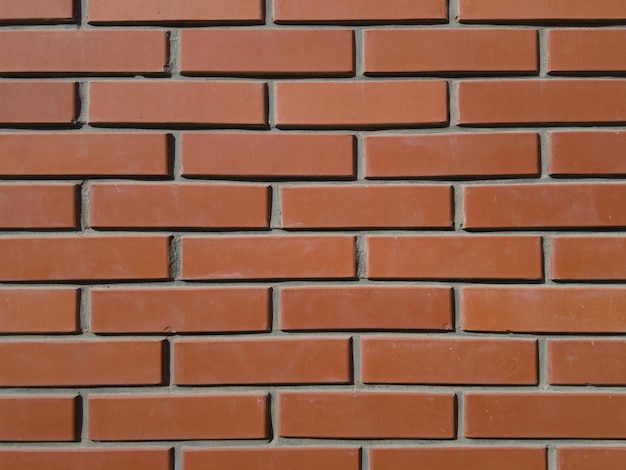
(312,234)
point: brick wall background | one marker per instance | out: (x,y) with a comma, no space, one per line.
(312,234)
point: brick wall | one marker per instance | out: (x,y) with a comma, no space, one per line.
(312,234)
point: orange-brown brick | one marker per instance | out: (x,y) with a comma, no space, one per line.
(178,205)
(266,52)
(588,258)
(453,257)
(262,361)
(365,308)
(586,50)
(172,310)
(448,361)
(581,362)
(590,458)
(587,153)
(346,104)
(541,101)
(74,363)
(451,155)
(167,417)
(84,257)
(543,309)
(36,102)
(268,257)
(38,310)
(38,418)
(75,154)
(383,206)
(177,103)
(449,50)
(545,415)
(36,11)
(366,415)
(111,51)
(35,206)
(270,155)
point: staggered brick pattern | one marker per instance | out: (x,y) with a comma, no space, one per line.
(312,234)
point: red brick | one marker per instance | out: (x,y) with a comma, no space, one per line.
(80,459)
(38,311)
(365,308)
(142,102)
(458,458)
(541,101)
(366,415)
(588,258)
(36,11)
(266,52)
(448,361)
(587,153)
(77,154)
(180,310)
(34,102)
(505,11)
(84,258)
(304,458)
(582,362)
(38,206)
(590,458)
(268,257)
(178,205)
(38,418)
(545,415)
(166,11)
(543,309)
(110,51)
(346,104)
(451,155)
(169,417)
(74,363)
(350,11)
(267,155)
(453,257)
(449,50)
(415,206)
(544,206)
(254,361)
(586,50)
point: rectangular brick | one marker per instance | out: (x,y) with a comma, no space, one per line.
(587,153)
(410,206)
(590,458)
(541,102)
(545,415)
(365,308)
(356,11)
(255,361)
(584,362)
(451,155)
(366,415)
(450,51)
(36,11)
(180,417)
(358,104)
(81,51)
(84,154)
(167,11)
(543,309)
(38,311)
(174,103)
(178,205)
(242,52)
(268,257)
(448,361)
(180,310)
(84,258)
(239,155)
(35,102)
(535,205)
(80,363)
(38,418)
(588,258)
(586,50)
(454,257)
(42,206)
